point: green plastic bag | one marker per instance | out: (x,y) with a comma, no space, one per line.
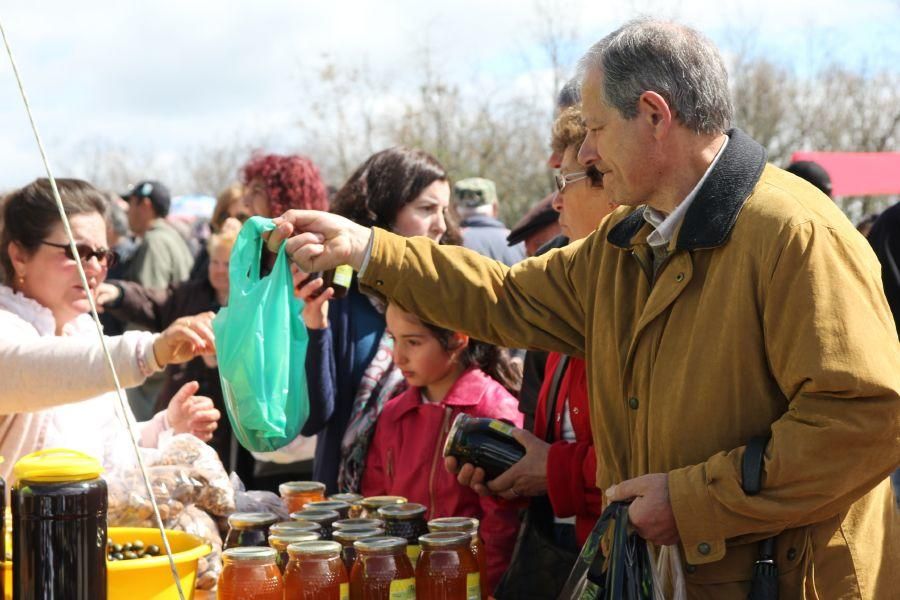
(261,346)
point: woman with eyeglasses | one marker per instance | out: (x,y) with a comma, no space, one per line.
(559,469)
(56,389)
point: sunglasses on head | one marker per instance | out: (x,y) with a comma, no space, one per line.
(104,256)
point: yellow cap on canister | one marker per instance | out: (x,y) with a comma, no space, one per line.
(57,465)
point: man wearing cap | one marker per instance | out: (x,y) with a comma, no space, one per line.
(476,203)
(163,257)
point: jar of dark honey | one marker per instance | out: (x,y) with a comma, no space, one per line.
(323,518)
(446,569)
(354,500)
(406,521)
(59,505)
(281,542)
(249,529)
(250,573)
(316,572)
(382,570)
(485,443)
(347,537)
(295,494)
(467,525)
(373,503)
(341,508)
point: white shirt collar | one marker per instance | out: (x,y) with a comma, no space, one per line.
(664,227)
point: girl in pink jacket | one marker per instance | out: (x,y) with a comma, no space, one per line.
(447,374)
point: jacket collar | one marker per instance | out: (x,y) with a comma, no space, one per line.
(468,390)
(712,215)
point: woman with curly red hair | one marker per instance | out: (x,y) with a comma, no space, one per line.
(276,183)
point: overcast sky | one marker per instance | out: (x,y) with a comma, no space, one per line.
(159,77)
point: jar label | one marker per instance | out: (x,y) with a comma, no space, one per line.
(345,591)
(413,551)
(403,589)
(343,275)
(501,427)
(473,586)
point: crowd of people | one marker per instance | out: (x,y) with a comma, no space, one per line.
(673,297)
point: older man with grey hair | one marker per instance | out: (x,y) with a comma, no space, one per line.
(475,200)
(743,366)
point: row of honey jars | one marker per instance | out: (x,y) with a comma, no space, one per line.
(446,570)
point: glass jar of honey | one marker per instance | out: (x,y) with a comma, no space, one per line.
(289,527)
(341,508)
(347,537)
(382,570)
(446,569)
(405,521)
(358,523)
(323,518)
(295,494)
(373,503)
(281,542)
(485,443)
(249,529)
(466,525)
(316,572)
(250,572)
(354,500)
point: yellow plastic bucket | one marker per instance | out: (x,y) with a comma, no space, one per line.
(146,578)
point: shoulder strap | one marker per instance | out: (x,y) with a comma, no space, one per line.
(553,394)
(752,465)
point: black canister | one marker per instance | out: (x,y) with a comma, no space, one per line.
(59,507)
(485,443)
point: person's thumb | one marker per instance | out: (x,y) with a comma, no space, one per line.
(185,392)
(625,490)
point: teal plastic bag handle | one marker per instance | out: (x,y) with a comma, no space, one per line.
(246,255)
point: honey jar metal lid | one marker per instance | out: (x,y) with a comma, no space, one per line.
(443,539)
(403,512)
(252,519)
(315,515)
(300,487)
(381,544)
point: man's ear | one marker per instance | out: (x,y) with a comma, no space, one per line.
(656,113)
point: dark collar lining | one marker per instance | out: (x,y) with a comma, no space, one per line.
(715,209)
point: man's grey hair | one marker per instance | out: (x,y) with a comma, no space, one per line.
(569,95)
(677,62)
(117,218)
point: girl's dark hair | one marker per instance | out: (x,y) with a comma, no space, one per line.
(385,183)
(493,360)
(30,214)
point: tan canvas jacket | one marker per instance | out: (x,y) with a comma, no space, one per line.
(768,318)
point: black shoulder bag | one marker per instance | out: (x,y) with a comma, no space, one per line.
(764,584)
(539,567)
